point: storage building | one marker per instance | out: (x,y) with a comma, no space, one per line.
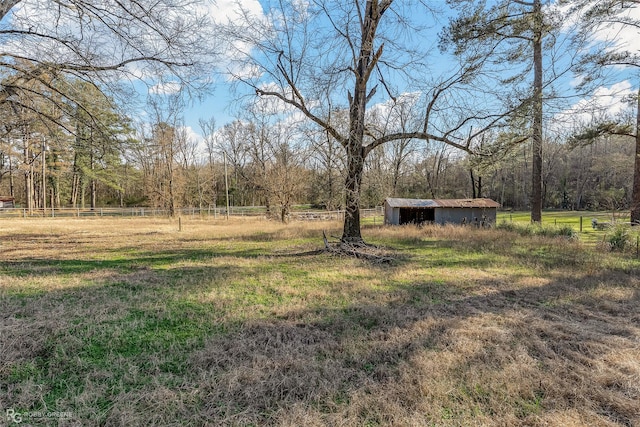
(479,212)
(6,202)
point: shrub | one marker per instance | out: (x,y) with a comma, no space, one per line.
(619,239)
(539,230)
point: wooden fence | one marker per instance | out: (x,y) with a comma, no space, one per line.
(210,212)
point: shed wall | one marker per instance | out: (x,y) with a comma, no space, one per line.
(465,215)
(391,215)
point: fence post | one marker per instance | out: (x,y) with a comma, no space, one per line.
(581,223)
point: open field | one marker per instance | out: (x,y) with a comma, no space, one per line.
(571,219)
(131,322)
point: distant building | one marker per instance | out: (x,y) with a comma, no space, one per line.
(479,212)
(6,202)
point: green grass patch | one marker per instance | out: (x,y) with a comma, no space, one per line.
(577,223)
(248,326)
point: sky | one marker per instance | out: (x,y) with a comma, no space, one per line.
(220,103)
(608,97)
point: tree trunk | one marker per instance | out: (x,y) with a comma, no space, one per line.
(635,198)
(11,183)
(28,177)
(172,206)
(93,185)
(28,190)
(55,192)
(93,191)
(396,178)
(473,184)
(355,163)
(44,179)
(83,187)
(430,184)
(536,182)
(358,103)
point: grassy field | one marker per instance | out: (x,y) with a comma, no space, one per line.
(571,219)
(117,322)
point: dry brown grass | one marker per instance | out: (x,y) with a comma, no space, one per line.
(131,322)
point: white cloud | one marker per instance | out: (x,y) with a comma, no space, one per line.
(191,134)
(196,140)
(167,88)
(224,11)
(392,114)
(615,34)
(604,103)
(193,21)
(619,35)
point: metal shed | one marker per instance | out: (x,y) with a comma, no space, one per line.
(478,212)
(6,202)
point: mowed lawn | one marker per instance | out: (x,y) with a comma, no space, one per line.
(586,233)
(130,322)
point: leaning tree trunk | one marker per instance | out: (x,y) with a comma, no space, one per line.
(635,198)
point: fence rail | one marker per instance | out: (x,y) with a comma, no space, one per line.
(210,212)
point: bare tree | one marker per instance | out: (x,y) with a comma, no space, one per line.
(327,164)
(208,129)
(106,43)
(231,142)
(285,178)
(326,57)
(274,171)
(161,154)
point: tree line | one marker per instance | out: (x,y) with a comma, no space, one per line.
(347,104)
(273,162)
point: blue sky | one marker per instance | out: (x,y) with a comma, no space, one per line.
(220,104)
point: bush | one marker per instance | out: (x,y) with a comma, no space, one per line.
(538,230)
(564,231)
(620,239)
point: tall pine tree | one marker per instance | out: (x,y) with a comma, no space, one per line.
(508,32)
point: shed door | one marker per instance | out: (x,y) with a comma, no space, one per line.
(416,215)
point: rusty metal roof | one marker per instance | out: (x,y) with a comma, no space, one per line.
(442,203)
